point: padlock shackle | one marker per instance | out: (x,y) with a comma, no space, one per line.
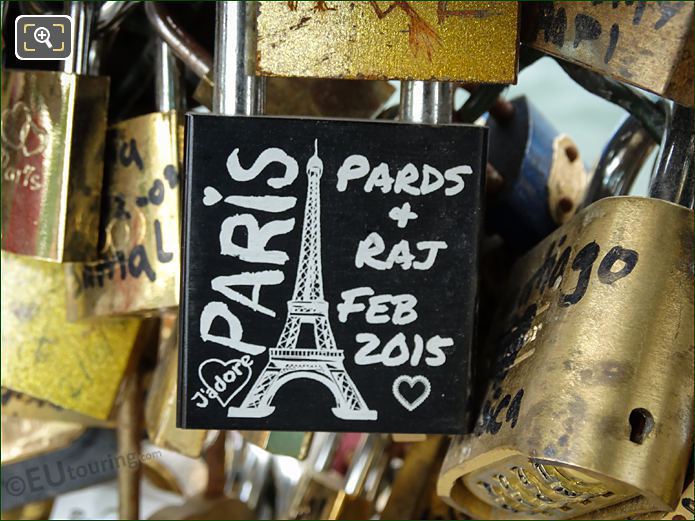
(621,161)
(673,178)
(366,456)
(111,13)
(429,102)
(167,79)
(237,91)
(189,51)
(84,17)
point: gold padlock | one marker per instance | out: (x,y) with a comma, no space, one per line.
(139,263)
(646,44)
(160,405)
(284,96)
(78,366)
(24,438)
(53,129)
(591,400)
(389,40)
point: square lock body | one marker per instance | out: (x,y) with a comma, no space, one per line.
(77,366)
(53,130)
(646,44)
(591,396)
(474,42)
(138,266)
(329,263)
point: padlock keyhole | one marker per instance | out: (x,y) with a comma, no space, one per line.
(572,153)
(641,424)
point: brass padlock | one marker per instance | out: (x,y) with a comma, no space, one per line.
(24,438)
(284,96)
(53,129)
(647,44)
(389,40)
(78,366)
(582,412)
(139,263)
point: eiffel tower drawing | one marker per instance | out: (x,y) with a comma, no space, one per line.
(322,362)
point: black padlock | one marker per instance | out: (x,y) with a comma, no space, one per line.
(329,263)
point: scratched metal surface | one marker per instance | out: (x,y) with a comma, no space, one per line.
(647,44)
(138,270)
(464,41)
(77,366)
(573,371)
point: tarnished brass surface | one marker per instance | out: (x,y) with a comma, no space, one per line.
(591,398)
(294,444)
(647,44)
(53,130)
(455,41)
(160,405)
(77,366)
(139,266)
(23,438)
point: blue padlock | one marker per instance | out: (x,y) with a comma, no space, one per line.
(544,177)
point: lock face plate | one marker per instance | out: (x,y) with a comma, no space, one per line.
(283,250)
(647,44)
(78,366)
(139,244)
(596,328)
(445,41)
(53,130)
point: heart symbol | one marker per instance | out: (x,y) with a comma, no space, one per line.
(411,381)
(225,380)
(14,122)
(211,196)
(17,128)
